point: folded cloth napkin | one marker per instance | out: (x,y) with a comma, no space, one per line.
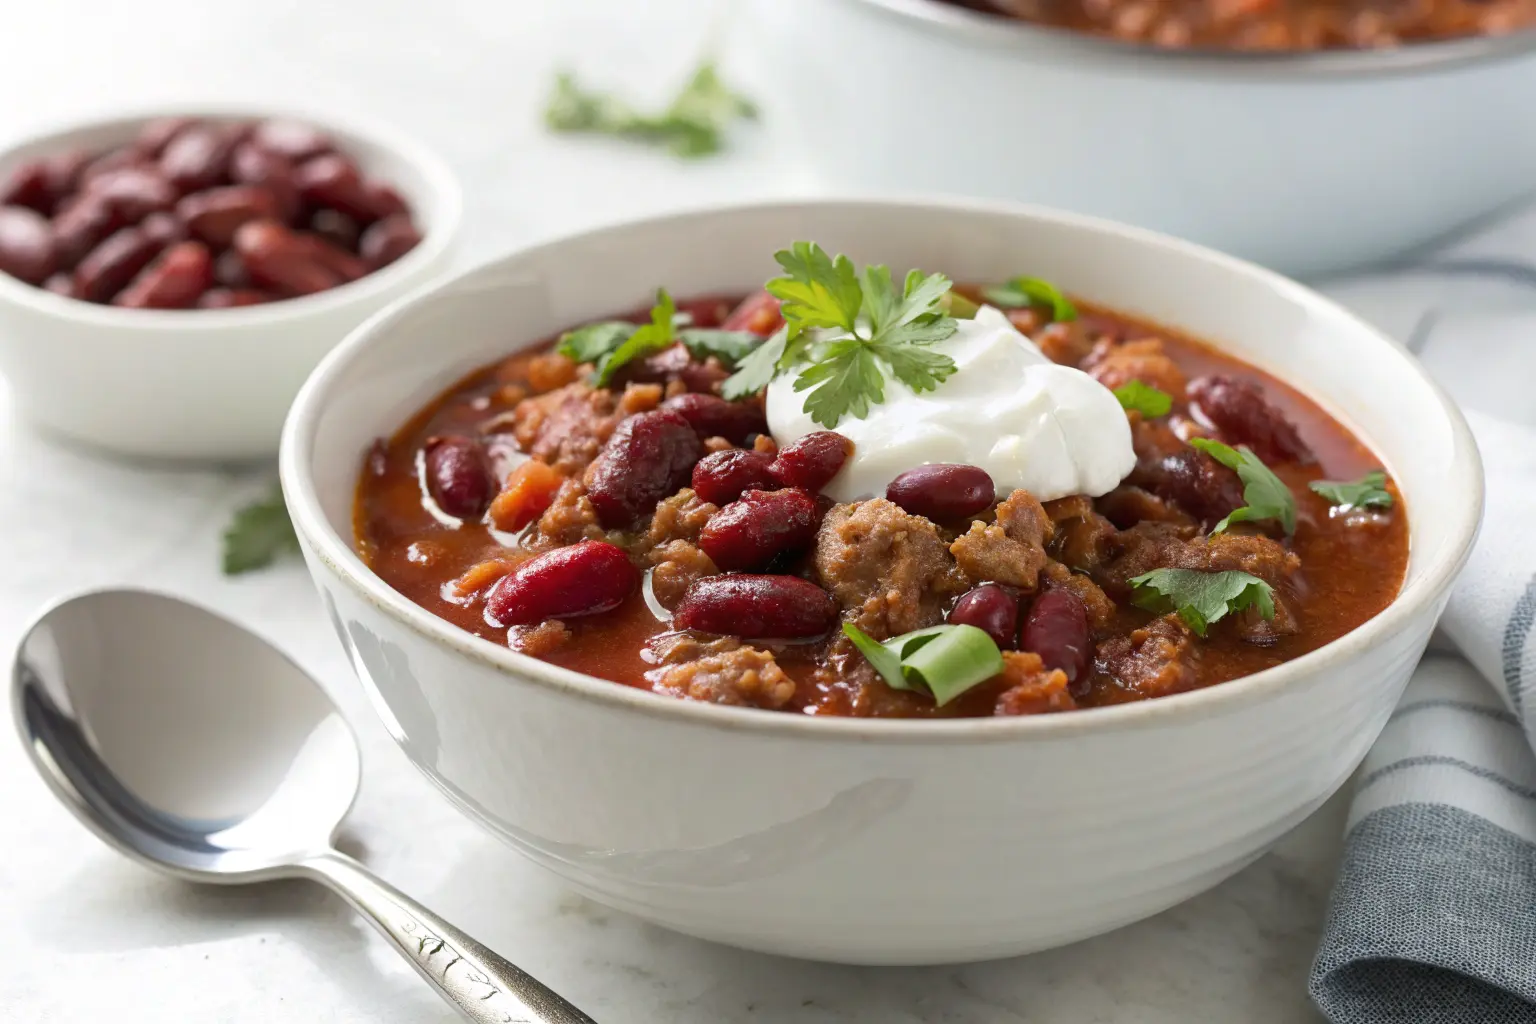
(1433,916)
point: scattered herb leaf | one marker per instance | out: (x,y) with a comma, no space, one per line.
(693,124)
(1151,402)
(590,343)
(958,306)
(610,344)
(759,367)
(258,534)
(864,321)
(942,661)
(1370,491)
(1266,495)
(1032,291)
(730,347)
(1202,598)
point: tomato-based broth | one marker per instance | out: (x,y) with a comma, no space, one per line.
(453,513)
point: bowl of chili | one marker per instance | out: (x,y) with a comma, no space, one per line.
(779,783)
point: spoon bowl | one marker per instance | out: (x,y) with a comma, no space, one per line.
(198,749)
(214,757)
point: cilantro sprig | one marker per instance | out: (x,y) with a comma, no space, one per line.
(1266,494)
(846,331)
(1202,598)
(259,534)
(1151,402)
(693,124)
(1370,491)
(610,344)
(1032,291)
(942,661)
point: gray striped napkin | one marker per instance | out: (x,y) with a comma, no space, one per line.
(1433,917)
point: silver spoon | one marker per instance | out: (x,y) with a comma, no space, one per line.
(196,748)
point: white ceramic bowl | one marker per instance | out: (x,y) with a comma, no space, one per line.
(877,842)
(1308,163)
(204,384)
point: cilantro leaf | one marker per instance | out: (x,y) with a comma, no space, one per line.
(942,661)
(730,347)
(915,366)
(258,534)
(692,125)
(846,380)
(1266,495)
(647,338)
(590,343)
(1032,291)
(1370,491)
(758,368)
(819,291)
(1202,598)
(958,306)
(1135,396)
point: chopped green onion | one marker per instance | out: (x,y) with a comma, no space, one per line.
(943,661)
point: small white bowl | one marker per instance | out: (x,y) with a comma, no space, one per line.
(205,384)
(856,840)
(1308,162)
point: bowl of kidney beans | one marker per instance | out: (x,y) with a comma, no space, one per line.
(167,282)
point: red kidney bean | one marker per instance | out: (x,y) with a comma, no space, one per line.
(1240,410)
(27,186)
(332,180)
(64,171)
(702,377)
(229,298)
(337,228)
(62,284)
(752,606)
(459,476)
(942,491)
(164,228)
(106,163)
(291,140)
(217,213)
(582,579)
(173,281)
(386,202)
(720,477)
(157,134)
(80,226)
(133,193)
(276,258)
(992,610)
(713,416)
(108,268)
(198,157)
(750,531)
(26,245)
(333,258)
(1056,628)
(387,240)
(252,165)
(758,314)
(812,461)
(229,270)
(648,457)
(704,312)
(1194,481)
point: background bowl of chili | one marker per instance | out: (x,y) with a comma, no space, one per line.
(1305,161)
(204,384)
(867,840)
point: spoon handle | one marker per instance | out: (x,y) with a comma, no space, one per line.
(480,984)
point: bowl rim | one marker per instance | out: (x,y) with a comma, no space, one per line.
(446,202)
(1001,32)
(337,555)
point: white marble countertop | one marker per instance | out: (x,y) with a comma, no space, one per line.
(88,936)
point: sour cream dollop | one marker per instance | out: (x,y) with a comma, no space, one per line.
(1030,423)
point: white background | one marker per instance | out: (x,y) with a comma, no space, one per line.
(86,936)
